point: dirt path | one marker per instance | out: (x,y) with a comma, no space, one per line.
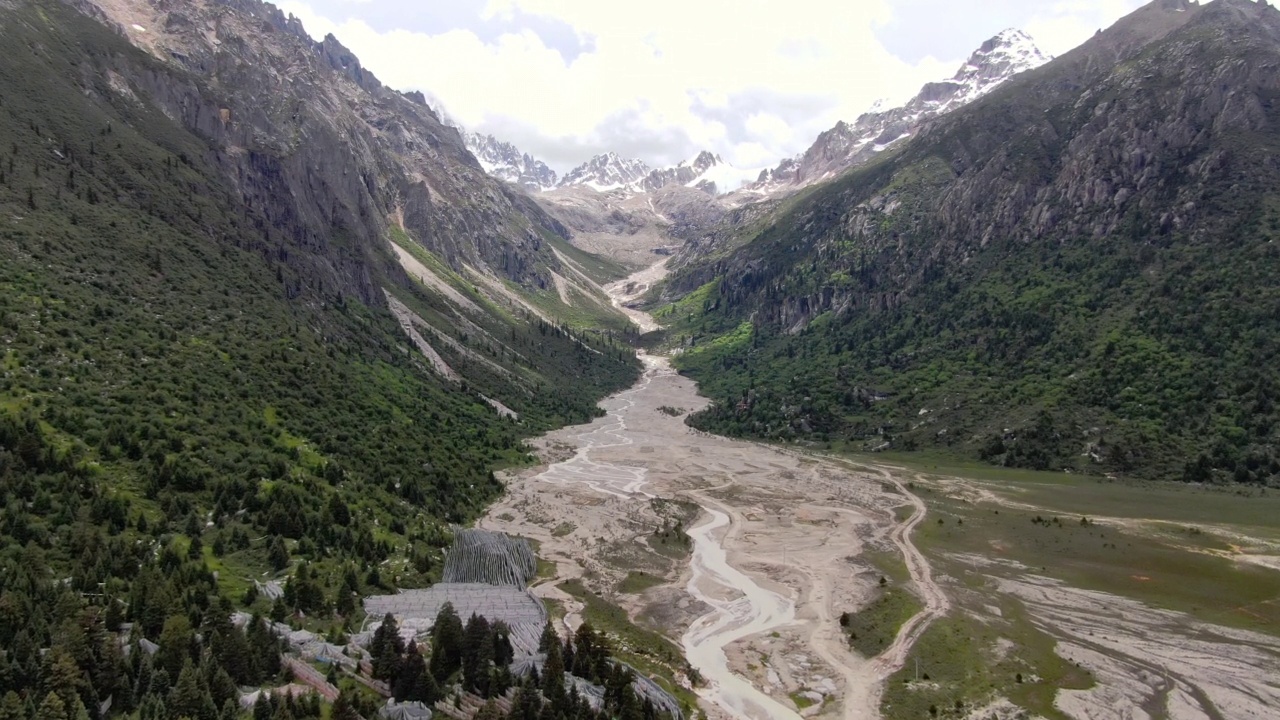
(935,600)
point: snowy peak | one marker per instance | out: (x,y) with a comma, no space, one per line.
(606,172)
(850,144)
(1000,58)
(505,162)
(706,171)
(688,173)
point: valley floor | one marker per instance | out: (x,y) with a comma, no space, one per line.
(741,558)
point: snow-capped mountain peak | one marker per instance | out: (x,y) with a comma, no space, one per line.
(705,171)
(849,144)
(998,59)
(606,172)
(505,162)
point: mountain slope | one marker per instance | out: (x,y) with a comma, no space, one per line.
(847,145)
(204,385)
(1071,272)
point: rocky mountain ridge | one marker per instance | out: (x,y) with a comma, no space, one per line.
(507,163)
(850,144)
(606,172)
(1045,277)
(307,131)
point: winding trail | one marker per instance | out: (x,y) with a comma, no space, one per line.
(935,600)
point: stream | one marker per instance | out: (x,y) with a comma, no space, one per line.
(739,606)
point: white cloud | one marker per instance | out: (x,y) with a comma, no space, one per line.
(662,67)
(1068,23)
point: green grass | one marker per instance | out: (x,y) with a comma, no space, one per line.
(646,650)
(1252,508)
(801,702)
(959,659)
(874,627)
(638,581)
(1167,569)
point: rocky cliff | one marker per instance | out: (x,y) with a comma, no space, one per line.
(332,156)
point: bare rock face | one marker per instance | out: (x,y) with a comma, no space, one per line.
(684,174)
(606,172)
(506,162)
(312,137)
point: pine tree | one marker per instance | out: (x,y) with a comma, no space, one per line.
(52,708)
(188,694)
(386,648)
(549,637)
(343,709)
(222,689)
(11,707)
(262,709)
(489,711)
(477,655)
(230,710)
(265,649)
(60,675)
(446,644)
(553,672)
(176,641)
(277,553)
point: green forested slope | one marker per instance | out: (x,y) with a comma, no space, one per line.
(182,413)
(1077,271)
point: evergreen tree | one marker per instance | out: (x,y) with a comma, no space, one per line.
(52,708)
(262,709)
(265,648)
(386,649)
(548,638)
(176,642)
(152,708)
(413,682)
(61,676)
(446,644)
(11,707)
(277,553)
(230,710)
(477,655)
(222,689)
(489,711)
(343,709)
(503,652)
(553,672)
(228,645)
(189,697)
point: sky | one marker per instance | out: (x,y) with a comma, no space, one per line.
(751,80)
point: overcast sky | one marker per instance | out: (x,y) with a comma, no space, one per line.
(752,80)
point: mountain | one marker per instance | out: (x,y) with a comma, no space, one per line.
(505,162)
(265,323)
(606,172)
(847,145)
(1074,271)
(706,171)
